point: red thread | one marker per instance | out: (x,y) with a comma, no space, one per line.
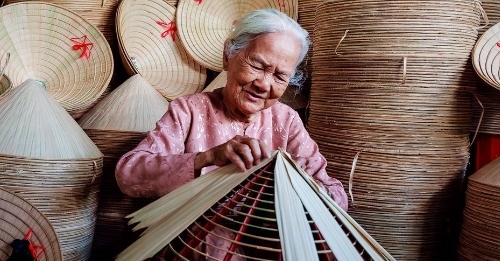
(498,44)
(281,5)
(81,43)
(32,247)
(198,2)
(170,29)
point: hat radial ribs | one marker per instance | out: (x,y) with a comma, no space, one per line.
(272,215)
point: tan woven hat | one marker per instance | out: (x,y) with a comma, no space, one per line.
(58,48)
(35,125)
(486,56)
(204,25)
(134,106)
(19,219)
(149,45)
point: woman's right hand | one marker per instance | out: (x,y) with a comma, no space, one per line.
(242,151)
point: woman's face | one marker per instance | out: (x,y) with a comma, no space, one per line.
(258,75)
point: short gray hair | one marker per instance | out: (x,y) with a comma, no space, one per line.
(263,21)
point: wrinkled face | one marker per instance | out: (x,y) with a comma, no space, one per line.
(258,75)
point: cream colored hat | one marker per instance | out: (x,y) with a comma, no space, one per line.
(204,25)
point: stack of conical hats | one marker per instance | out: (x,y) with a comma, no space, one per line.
(480,235)
(392,81)
(49,160)
(116,125)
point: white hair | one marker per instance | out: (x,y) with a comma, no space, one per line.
(263,21)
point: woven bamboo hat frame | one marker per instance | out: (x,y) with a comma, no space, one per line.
(50,161)
(59,48)
(17,217)
(204,25)
(149,45)
(480,235)
(486,56)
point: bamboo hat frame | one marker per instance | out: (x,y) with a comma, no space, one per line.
(149,45)
(486,56)
(204,25)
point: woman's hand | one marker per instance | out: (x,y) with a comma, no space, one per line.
(242,151)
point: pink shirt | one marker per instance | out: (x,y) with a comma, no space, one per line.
(164,160)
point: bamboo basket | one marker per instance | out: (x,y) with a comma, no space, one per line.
(142,106)
(149,46)
(17,217)
(480,235)
(203,26)
(39,36)
(49,160)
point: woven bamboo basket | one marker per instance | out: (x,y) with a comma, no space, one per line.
(204,25)
(480,235)
(17,217)
(50,161)
(149,45)
(142,106)
(59,48)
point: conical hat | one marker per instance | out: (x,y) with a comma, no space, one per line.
(274,210)
(149,45)
(35,125)
(218,82)
(135,105)
(204,25)
(17,217)
(56,46)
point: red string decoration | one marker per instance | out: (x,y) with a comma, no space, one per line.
(32,247)
(281,5)
(498,44)
(170,29)
(81,43)
(198,2)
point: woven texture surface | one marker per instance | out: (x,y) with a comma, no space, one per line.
(17,217)
(59,48)
(204,25)
(149,45)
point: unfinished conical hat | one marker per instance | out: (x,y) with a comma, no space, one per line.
(59,48)
(149,46)
(273,211)
(135,105)
(19,219)
(204,25)
(35,125)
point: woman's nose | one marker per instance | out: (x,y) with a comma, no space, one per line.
(264,81)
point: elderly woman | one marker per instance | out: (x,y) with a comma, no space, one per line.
(240,123)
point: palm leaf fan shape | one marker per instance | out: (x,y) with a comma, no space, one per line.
(273,211)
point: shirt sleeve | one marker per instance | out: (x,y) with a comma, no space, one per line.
(159,164)
(301,145)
